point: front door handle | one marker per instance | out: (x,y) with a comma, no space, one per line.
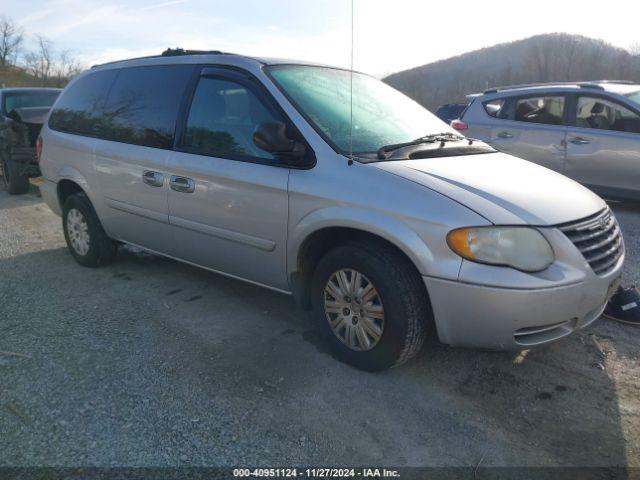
(579,141)
(505,135)
(155,179)
(182,184)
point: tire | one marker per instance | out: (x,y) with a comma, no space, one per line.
(400,295)
(16,184)
(87,241)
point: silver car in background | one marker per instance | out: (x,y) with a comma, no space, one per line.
(333,187)
(589,132)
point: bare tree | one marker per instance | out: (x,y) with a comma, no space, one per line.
(66,66)
(634,49)
(11,37)
(40,62)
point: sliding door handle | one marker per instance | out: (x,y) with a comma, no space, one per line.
(505,135)
(579,141)
(155,179)
(182,184)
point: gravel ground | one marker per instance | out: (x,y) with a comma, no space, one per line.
(149,362)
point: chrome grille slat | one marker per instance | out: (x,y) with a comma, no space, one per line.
(601,243)
(599,239)
(589,236)
(599,256)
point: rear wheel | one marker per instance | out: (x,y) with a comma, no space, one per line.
(371,304)
(15,183)
(86,239)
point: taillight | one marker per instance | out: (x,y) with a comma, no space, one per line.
(459,125)
(39,148)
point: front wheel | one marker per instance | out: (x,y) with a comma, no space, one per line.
(86,239)
(371,304)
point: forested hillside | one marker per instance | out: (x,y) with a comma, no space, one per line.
(543,58)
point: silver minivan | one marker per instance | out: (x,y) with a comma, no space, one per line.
(589,132)
(333,187)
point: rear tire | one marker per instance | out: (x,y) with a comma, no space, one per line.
(87,241)
(393,311)
(16,184)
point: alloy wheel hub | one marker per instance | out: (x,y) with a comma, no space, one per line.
(78,232)
(354,310)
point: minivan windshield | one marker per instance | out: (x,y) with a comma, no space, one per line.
(381,115)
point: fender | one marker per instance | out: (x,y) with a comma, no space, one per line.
(392,230)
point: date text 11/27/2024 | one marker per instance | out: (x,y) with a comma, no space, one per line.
(315,473)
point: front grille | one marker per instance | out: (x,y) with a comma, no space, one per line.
(598,238)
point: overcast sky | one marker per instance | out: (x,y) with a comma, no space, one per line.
(390,35)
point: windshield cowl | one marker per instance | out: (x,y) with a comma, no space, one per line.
(428,150)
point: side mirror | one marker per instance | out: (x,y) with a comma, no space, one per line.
(271,137)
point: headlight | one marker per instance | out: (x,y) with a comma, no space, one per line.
(522,248)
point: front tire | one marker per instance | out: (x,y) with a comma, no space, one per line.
(16,184)
(371,304)
(87,241)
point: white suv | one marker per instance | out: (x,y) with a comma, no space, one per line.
(587,131)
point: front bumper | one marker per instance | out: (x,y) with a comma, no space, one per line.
(500,318)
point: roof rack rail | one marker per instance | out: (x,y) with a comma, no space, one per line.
(169,52)
(590,85)
(621,82)
(176,52)
(527,85)
(586,84)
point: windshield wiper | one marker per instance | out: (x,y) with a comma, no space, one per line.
(442,138)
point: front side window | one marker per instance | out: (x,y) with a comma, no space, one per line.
(546,110)
(381,114)
(79,108)
(143,104)
(601,114)
(222,118)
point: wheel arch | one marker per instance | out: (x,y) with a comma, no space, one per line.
(310,240)
(71,182)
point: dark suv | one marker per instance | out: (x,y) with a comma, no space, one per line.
(22,113)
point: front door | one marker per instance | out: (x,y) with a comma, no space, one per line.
(228,199)
(603,147)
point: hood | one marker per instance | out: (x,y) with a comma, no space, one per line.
(34,115)
(503,189)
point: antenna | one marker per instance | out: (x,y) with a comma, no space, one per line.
(350,162)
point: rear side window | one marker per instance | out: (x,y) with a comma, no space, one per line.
(143,104)
(546,110)
(601,114)
(495,108)
(222,119)
(79,108)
